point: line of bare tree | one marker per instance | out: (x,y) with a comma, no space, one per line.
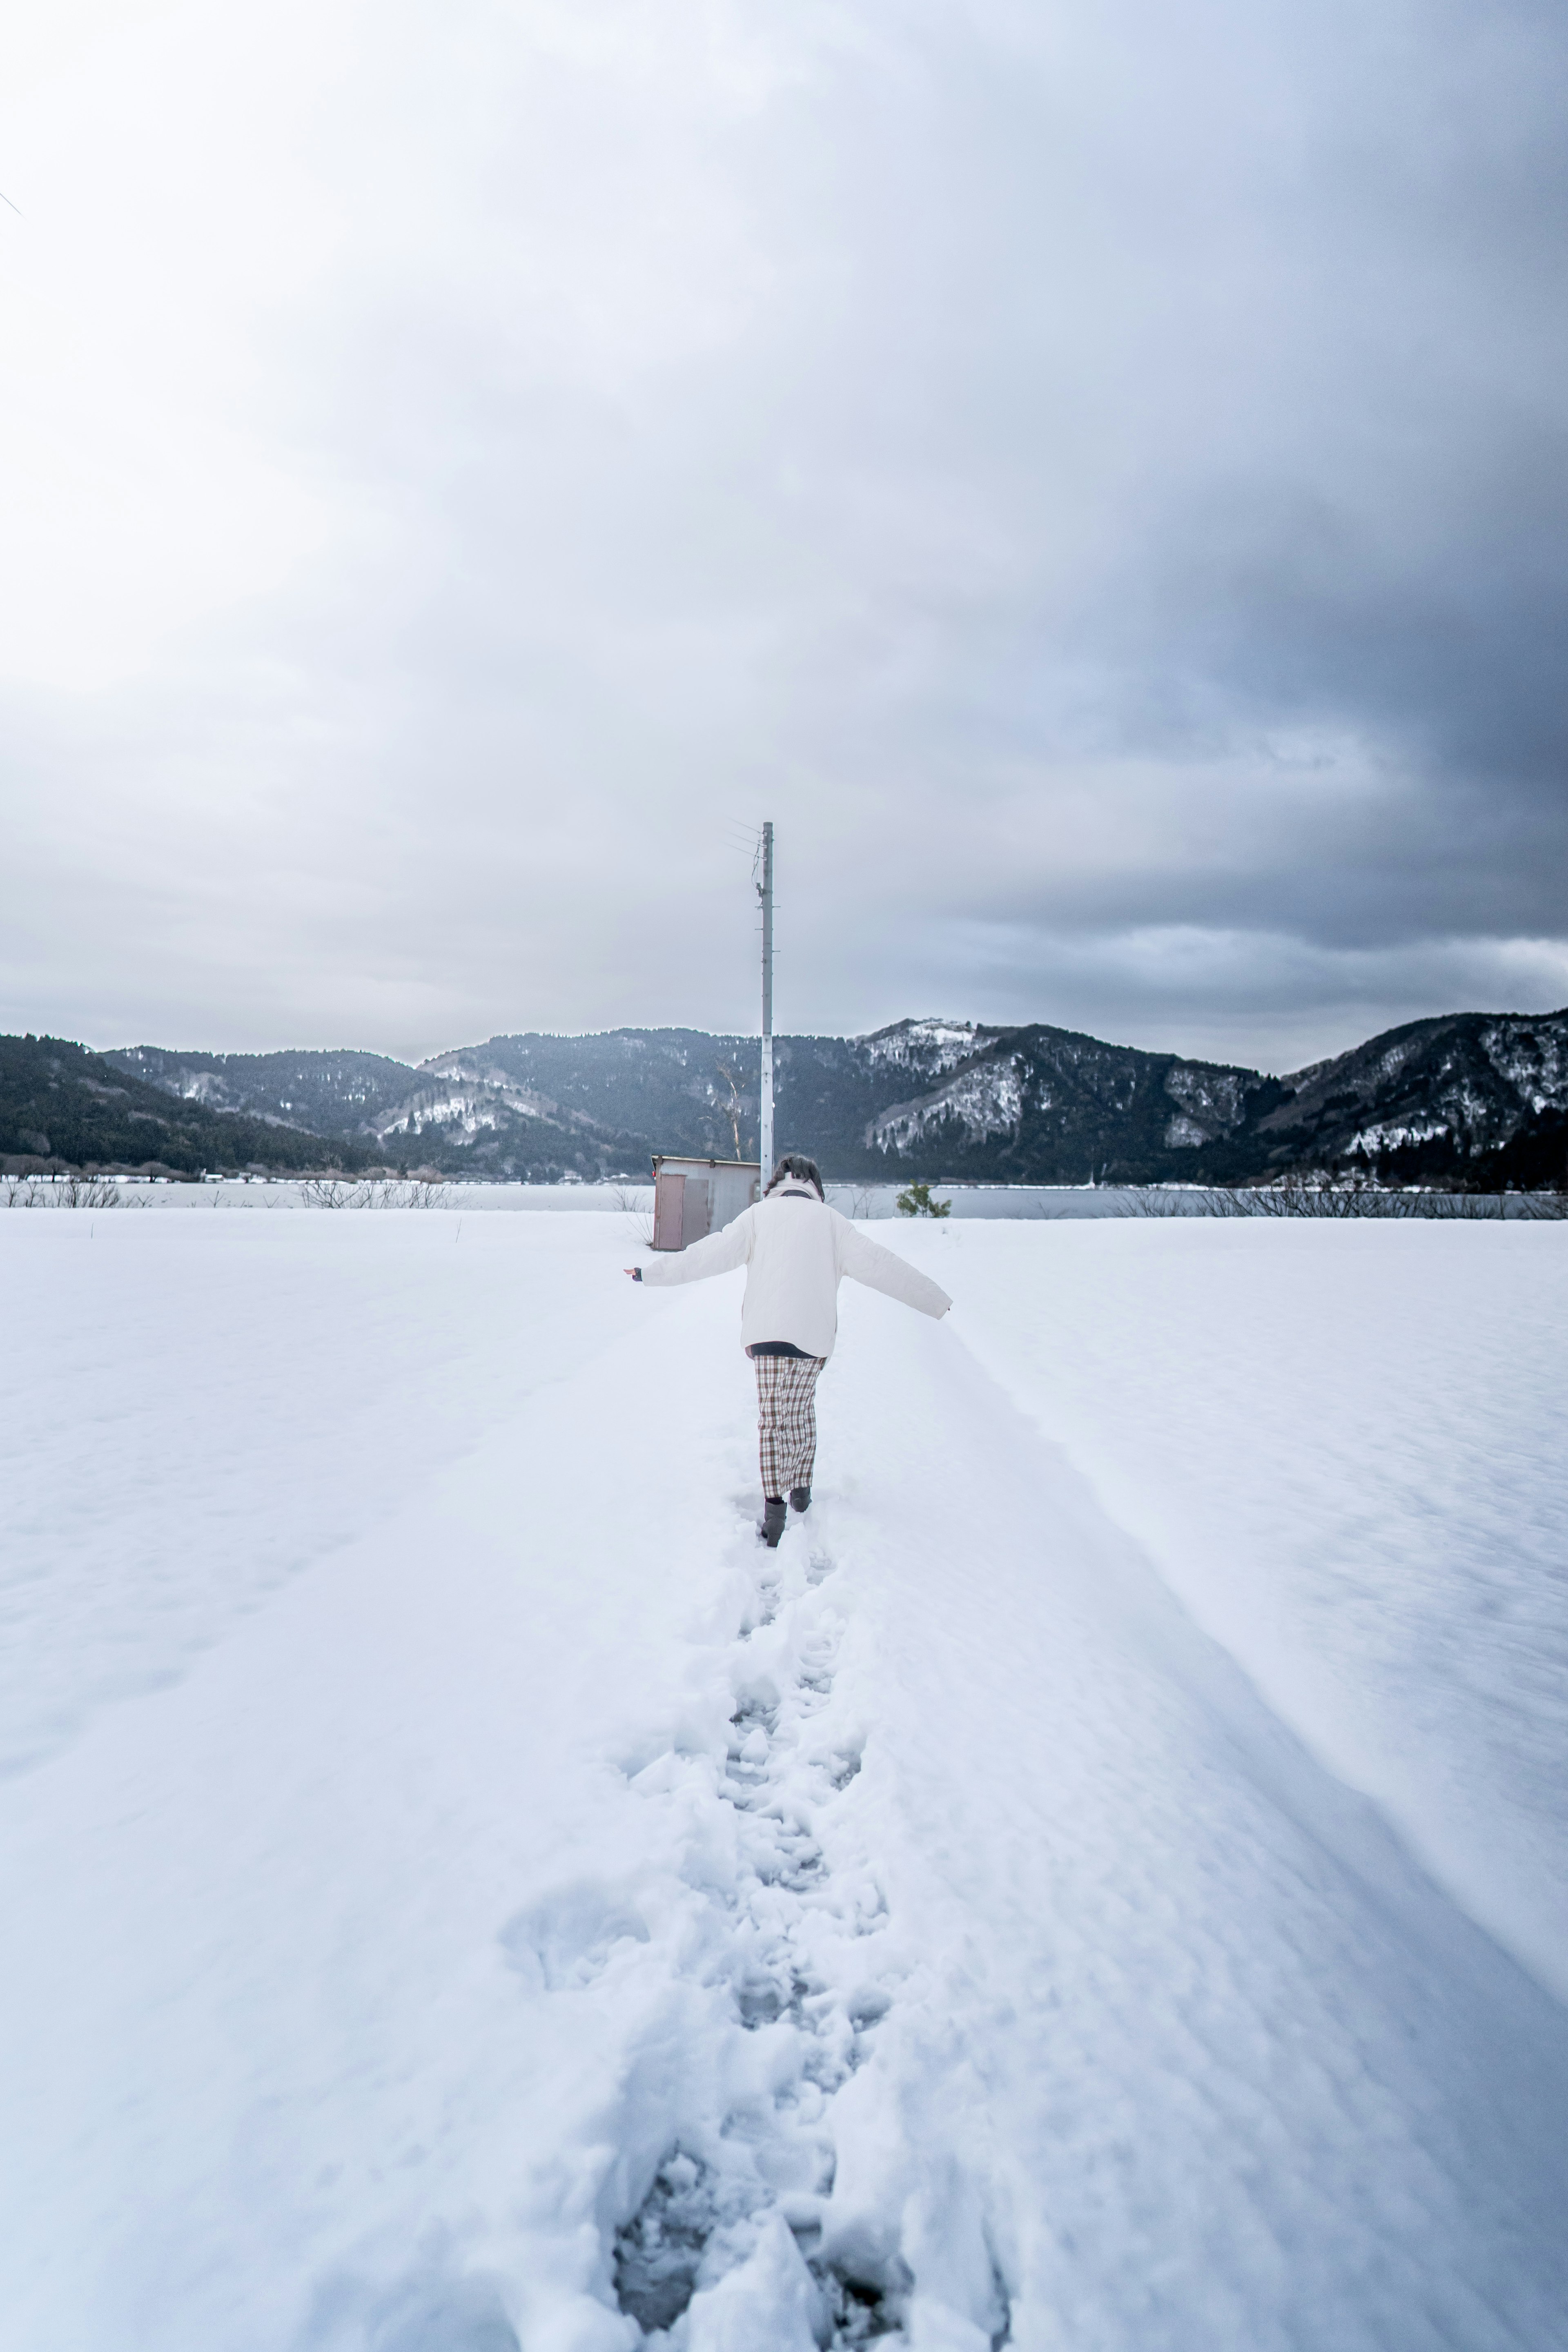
(1352,1196)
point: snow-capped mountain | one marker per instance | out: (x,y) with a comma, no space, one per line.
(1433,1097)
(1478,1098)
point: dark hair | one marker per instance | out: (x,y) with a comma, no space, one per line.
(804,1172)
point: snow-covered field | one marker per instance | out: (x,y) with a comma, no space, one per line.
(1099,1887)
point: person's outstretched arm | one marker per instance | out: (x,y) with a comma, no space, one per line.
(720,1253)
(867,1261)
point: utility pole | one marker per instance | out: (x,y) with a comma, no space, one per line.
(765,893)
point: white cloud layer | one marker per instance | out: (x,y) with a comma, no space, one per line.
(1095,478)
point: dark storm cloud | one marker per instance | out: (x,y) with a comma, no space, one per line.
(1097,481)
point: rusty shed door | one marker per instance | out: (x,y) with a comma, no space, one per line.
(667,1212)
(696,1211)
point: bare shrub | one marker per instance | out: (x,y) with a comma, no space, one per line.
(1316,1196)
(372,1192)
(857,1200)
(418,1193)
(94,1192)
(1315,1193)
(634,1202)
(67,1192)
(324,1193)
(1358,1195)
(1157,1201)
(1466,1208)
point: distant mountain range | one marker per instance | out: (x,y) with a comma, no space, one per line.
(1475,1099)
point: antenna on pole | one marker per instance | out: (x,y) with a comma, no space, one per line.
(765,893)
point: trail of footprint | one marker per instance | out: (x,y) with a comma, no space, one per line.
(785,1927)
(775,1945)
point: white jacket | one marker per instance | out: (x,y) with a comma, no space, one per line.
(797,1251)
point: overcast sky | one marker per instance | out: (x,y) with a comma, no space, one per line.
(1094,474)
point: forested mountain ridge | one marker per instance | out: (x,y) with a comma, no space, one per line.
(63,1107)
(1435,1099)
(1478,1099)
(326,1093)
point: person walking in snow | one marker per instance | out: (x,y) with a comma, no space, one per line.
(797,1251)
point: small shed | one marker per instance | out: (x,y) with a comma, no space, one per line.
(694,1197)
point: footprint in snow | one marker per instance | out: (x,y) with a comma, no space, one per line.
(706,2216)
(567,1941)
(667,2252)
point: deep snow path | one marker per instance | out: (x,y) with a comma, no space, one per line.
(551,1915)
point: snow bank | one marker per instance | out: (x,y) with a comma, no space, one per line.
(1345,1452)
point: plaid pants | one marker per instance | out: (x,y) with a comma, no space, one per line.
(787,1419)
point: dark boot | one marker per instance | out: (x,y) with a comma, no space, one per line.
(770,1526)
(800,1499)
